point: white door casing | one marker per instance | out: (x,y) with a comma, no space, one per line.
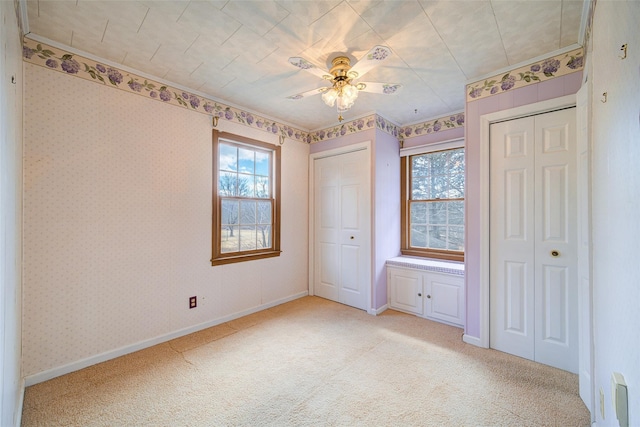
(341,227)
(585,298)
(533,239)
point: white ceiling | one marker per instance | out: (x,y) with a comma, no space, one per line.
(237,51)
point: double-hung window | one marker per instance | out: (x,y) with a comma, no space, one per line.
(246,202)
(433,202)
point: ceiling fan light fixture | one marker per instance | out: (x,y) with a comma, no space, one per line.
(329,97)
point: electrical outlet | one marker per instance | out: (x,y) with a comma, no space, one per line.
(193,302)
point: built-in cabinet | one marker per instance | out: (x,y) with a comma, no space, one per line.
(435,294)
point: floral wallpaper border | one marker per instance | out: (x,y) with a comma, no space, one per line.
(452,121)
(46,56)
(546,69)
(78,66)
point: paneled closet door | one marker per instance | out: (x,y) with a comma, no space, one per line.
(533,291)
(342,229)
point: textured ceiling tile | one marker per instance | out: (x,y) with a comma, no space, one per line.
(206,18)
(245,71)
(308,12)
(136,44)
(246,43)
(136,63)
(293,35)
(341,23)
(415,42)
(359,46)
(127,14)
(260,16)
(478,48)
(571,17)
(390,17)
(172,10)
(166,31)
(361,6)
(208,51)
(518,21)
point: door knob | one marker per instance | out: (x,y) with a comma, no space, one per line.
(351,237)
(419,294)
(428,296)
(555,253)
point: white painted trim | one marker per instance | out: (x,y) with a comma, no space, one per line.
(112,354)
(485,122)
(18,417)
(471,340)
(365,145)
(584,21)
(435,146)
(378,311)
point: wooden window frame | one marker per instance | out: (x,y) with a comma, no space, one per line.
(218,257)
(405,198)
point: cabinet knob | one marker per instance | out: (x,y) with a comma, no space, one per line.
(428,296)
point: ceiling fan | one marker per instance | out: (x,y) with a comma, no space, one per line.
(344,89)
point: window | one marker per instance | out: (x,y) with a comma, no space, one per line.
(246,202)
(433,204)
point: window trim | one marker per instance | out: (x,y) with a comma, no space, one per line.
(218,257)
(405,248)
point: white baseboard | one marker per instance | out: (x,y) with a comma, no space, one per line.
(112,354)
(472,340)
(377,311)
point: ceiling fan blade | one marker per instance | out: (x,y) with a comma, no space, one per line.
(383,88)
(376,56)
(307,66)
(308,93)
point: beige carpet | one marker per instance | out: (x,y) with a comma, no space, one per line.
(312,362)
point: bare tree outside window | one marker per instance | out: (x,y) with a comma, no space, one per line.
(245,188)
(435,204)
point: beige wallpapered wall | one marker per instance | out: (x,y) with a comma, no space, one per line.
(117,211)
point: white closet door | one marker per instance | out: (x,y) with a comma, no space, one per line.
(512,237)
(533,290)
(343,228)
(556,284)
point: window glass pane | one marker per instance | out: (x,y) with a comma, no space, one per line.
(229,212)
(456,239)
(262,187)
(246,161)
(420,188)
(247,238)
(264,213)
(419,213)
(245,185)
(438,237)
(438,187)
(264,236)
(262,163)
(456,212)
(247,212)
(439,162)
(229,236)
(437,213)
(419,236)
(228,184)
(228,158)
(420,165)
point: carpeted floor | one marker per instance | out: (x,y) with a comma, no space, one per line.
(312,362)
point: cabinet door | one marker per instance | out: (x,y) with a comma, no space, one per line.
(445,298)
(405,289)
